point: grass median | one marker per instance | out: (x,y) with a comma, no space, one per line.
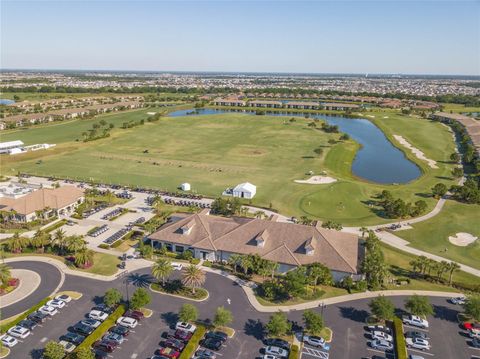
(194,342)
(6,326)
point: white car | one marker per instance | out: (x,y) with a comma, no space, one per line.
(91,322)
(457,300)
(474,333)
(186,327)
(97,315)
(379,328)
(268,356)
(67,346)
(56,303)
(177,266)
(316,342)
(278,352)
(8,341)
(127,322)
(417,343)
(415,321)
(47,309)
(381,345)
(64,298)
(19,332)
(382,335)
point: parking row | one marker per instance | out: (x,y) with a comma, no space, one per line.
(113,213)
(116,236)
(98,231)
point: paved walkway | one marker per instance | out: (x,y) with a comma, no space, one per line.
(29,282)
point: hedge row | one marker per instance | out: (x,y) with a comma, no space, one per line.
(21,317)
(193,343)
(101,329)
(55,226)
(400,344)
(294,352)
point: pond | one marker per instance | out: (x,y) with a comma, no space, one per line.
(378,160)
(4,101)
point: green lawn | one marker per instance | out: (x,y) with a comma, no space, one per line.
(103,264)
(213,152)
(432,235)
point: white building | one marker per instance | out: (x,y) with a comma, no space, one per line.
(7,147)
(245,190)
(185,186)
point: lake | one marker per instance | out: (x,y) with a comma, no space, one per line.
(378,160)
(4,101)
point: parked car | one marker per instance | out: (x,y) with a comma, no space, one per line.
(174,343)
(104,346)
(91,322)
(186,326)
(169,353)
(19,332)
(135,314)
(276,342)
(382,336)
(318,342)
(379,328)
(118,329)
(476,343)
(415,334)
(98,315)
(29,324)
(82,329)
(471,325)
(417,343)
(217,335)
(381,344)
(211,343)
(8,341)
(103,308)
(457,300)
(204,354)
(73,338)
(56,303)
(269,356)
(127,322)
(38,317)
(114,337)
(67,346)
(47,309)
(415,321)
(414,356)
(277,351)
(474,333)
(182,335)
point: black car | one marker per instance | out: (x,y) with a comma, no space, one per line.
(212,344)
(217,336)
(29,324)
(37,317)
(416,334)
(73,338)
(276,342)
(103,308)
(120,330)
(82,329)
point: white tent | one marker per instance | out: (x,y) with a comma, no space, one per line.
(245,190)
(185,186)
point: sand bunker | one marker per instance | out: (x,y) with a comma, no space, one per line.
(419,154)
(462,239)
(317,180)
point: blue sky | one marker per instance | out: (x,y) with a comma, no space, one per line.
(428,37)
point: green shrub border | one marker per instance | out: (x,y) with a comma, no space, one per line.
(294,352)
(101,329)
(400,344)
(55,226)
(193,343)
(8,325)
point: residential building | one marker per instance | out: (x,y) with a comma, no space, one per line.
(303,105)
(340,106)
(244,190)
(471,125)
(266,104)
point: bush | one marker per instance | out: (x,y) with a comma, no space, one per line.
(400,344)
(103,246)
(193,343)
(117,244)
(21,317)
(207,264)
(101,329)
(55,226)
(294,352)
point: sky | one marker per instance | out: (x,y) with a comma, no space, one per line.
(409,37)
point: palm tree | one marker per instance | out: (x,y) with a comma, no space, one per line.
(40,240)
(84,257)
(5,274)
(162,269)
(246,263)
(363,230)
(259,214)
(452,268)
(59,239)
(234,261)
(16,243)
(75,244)
(193,277)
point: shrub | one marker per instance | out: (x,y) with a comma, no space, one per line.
(400,344)
(55,226)
(104,246)
(207,264)
(294,352)
(193,343)
(117,244)
(21,317)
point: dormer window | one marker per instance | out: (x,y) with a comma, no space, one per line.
(310,246)
(261,238)
(187,228)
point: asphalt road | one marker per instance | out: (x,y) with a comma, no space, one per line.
(346,320)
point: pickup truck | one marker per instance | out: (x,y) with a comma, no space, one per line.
(415,321)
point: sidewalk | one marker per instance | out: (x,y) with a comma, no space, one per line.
(29,282)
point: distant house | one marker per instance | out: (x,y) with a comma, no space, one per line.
(28,119)
(52,201)
(69,113)
(340,106)
(266,104)
(244,190)
(291,245)
(7,147)
(471,125)
(185,186)
(302,105)
(229,102)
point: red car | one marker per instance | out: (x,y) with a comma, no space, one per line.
(104,346)
(135,314)
(175,344)
(471,325)
(183,335)
(168,352)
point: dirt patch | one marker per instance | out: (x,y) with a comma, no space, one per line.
(419,154)
(317,180)
(462,239)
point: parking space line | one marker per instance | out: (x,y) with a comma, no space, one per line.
(420,352)
(473,348)
(376,350)
(43,340)
(416,328)
(315,353)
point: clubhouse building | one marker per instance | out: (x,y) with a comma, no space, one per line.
(216,238)
(42,203)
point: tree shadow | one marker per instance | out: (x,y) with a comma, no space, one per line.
(97,299)
(354,314)
(36,353)
(255,328)
(140,280)
(170,318)
(423,195)
(445,313)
